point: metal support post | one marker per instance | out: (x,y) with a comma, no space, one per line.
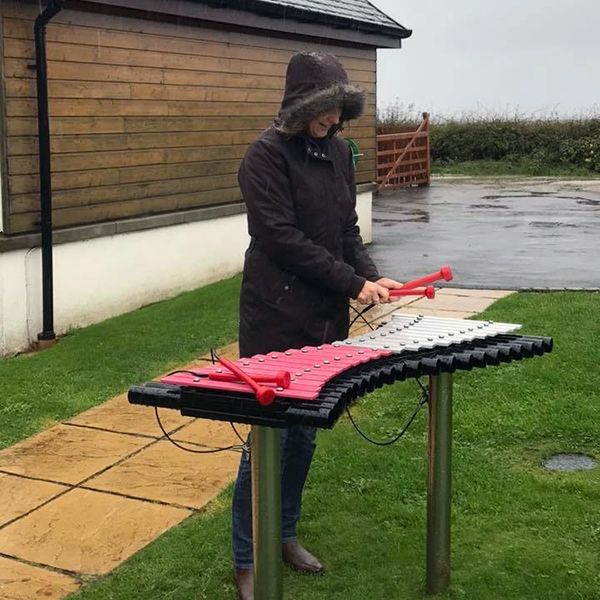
(439,483)
(266,513)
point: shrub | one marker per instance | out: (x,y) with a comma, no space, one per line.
(583,152)
(548,141)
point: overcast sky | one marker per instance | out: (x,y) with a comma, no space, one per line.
(539,56)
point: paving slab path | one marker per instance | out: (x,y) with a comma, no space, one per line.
(81,497)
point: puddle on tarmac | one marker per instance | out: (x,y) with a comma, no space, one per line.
(550,195)
(488,206)
(407,216)
(551,224)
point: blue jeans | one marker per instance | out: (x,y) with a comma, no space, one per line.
(297,449)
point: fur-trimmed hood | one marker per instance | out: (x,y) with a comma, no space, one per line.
(316,82)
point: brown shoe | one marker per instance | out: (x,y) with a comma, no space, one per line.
(301,559)
(244,581)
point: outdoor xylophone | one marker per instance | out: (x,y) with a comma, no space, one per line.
(237,381)
(314,385)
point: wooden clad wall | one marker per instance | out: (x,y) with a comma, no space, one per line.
(146,117)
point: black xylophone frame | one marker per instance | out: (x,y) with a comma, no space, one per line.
(438,364)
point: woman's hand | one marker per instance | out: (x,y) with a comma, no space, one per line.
(373,293)
(388,283)
(377,292)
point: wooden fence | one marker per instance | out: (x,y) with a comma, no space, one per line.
(403,158)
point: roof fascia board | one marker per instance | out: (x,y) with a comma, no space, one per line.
(229,16)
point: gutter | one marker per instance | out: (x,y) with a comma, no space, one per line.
(52,9)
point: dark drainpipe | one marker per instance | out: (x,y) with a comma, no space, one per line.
(53,8)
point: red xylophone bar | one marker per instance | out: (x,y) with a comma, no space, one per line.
(264,395)
(444,273)
(280,379)
(310,367)
(428,291)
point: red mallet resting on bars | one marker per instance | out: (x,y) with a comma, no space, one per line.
(280,379)
(428,291)
(264,395)
(444,273)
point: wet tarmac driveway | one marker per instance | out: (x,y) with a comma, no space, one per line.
(503,234)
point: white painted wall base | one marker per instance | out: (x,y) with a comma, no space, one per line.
(107,276)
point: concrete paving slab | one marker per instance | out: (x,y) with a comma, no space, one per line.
(446,314)
(376,314)
(87,532)
(215,434)
(165,473)
(467,304)
(65,454)
(232,352)
(121,417)
(20,581)
(18,496)
(490,294)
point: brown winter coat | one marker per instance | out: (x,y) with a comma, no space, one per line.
(306,256)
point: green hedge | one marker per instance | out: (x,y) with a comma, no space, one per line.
(575,143)
(544,141)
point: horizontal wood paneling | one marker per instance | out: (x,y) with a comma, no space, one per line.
(63,144)
(62,88)
(67,217)
(22,165)
(3,124)
(155,32)
(76,71)
(147,117)
(178,54)
(92,178)
(23,126)
(62,52)
(121,193)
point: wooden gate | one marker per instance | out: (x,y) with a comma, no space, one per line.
(403,158)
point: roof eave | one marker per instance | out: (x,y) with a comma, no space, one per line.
(281,10)
(305,24)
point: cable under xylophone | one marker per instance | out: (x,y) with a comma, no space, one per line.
(322,381)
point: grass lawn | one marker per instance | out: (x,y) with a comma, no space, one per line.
(522,167)
(519,532)
(93,364)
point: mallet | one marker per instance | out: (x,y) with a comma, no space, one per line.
(280,379)
(264,395)
(428,292)
(444,273)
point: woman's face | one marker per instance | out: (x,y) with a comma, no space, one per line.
(319,126)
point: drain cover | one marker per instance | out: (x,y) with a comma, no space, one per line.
(570,462)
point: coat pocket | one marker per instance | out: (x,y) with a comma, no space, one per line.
(268,282)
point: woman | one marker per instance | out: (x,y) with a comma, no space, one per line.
(305,259)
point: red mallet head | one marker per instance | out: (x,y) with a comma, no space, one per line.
(446,272)
(283,379)
(264,395)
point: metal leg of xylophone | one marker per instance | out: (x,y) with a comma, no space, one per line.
(439,475)
(266,498)
(266,512)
